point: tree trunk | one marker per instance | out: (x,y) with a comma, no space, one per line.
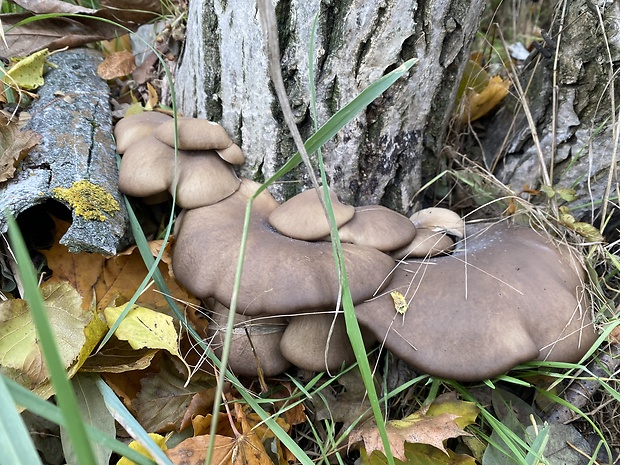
(577,136)
(377,157)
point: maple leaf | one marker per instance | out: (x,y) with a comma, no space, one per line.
(431,426)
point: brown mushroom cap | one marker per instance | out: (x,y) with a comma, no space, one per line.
(426,243)
(514,297)
(302,217)
(305,342)
(147,169)
(133,128)
(253,339)
(194,134)
(280,275)
(379,227)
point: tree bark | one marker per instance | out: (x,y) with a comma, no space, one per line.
(577,135)
(223,76)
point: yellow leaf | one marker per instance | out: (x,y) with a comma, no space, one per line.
(479,104)
(586,230)
(143,327)
(448,403)
(400,304)
(28,72)
(153,98)
(135,445)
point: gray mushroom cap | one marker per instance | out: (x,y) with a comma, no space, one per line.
(281,275)
(305,342)
(379,227)
(133,128)
(302,217)
(512,298)
(147,169)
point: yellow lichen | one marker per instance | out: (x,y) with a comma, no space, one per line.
(88,200)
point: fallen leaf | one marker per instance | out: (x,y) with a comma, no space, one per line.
(201,403)
(164,399)
(346,407)
(249,448)
(421,454)
(119,357)
(22,358)
(27,73)
(144,328)
(135,445)
(586,230)
(475,105)
(193,451)
(426,426)
(201,424)
(117,64)
(14,146)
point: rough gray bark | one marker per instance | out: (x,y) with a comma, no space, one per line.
(376,158)
(585,141)
(77,144)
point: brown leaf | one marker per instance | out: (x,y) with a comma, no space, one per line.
(108,279)
(193,451)
(56,33)
(249,447)
(416,428)
(202,425)
(119,357)
(14,146)
(201,403)
(117,64)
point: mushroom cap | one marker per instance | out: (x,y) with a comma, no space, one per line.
(194,134)
(280,275)
(513,297)
(302,217)
(203,179)
(253,339)
(305,341)
(133,128)
(379,227)
(232,154)
(439,219)
(147,169)
(426,243)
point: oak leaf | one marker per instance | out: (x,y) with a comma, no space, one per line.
(14,146)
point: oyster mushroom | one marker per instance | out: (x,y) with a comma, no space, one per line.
(281,275)
(512,298)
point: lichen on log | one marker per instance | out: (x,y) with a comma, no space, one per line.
(73,117)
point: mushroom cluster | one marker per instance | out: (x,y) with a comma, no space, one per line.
(468,314)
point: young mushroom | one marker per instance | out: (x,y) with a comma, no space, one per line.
(255,341)
(133,128)
(378,227)
(508,296)
(200,134)
(302,217)
(319,342)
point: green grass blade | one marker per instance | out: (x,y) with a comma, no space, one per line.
(65,396)
(15,441)
(131,425)
(51,412)
(341,118)
(271,423)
